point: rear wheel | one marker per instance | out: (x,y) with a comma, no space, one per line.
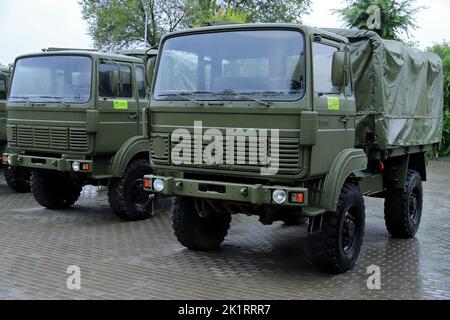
(336,247)
(403,208)
(18,179)
(127,197)
(54,190)
(197,225)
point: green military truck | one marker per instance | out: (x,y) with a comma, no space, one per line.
(17,179)
(75,118)
(285,121)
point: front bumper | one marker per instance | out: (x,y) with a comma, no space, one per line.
(255,194)
(47,163)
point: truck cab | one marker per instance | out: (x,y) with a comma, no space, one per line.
(261,120)
(75,118)
(18,179)
(4,88)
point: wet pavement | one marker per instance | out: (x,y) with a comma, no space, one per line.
(143,260)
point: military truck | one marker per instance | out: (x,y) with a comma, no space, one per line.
(285,120)
(75,118)
(17,179)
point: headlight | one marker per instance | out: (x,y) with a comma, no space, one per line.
(158,185)
(279,196)
(76,166)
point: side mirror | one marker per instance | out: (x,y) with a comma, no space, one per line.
(151,62)
(339,76)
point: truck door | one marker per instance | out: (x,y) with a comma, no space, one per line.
(117,105)
(335,108)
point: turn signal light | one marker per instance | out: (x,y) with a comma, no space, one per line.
(4,158)
(297,197)
(147,183)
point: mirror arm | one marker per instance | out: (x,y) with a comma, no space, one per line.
(347,74)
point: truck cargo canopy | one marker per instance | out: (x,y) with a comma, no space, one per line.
(398,91)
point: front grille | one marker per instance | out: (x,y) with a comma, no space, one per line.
(289,151)
(49,138)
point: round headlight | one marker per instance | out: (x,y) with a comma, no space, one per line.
(279,196)
(76,166)
(158,185)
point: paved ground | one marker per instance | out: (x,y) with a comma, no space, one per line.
(142,260)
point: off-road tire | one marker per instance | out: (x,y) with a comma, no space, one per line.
(328,245)
(18,179)
(54,190)
(126,195)
(195,232)
(403,208)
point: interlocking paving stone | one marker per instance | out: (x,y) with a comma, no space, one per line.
(143,260)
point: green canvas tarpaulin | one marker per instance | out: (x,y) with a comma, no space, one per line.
(398,91)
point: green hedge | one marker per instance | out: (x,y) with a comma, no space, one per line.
(445,146)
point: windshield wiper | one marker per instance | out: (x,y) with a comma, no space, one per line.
(243,95)
(186,96)
(25,99)
(59,99)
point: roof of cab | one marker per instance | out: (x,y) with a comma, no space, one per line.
(138,52)
(90,53)
(231,26)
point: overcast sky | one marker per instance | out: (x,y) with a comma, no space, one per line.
(31,25)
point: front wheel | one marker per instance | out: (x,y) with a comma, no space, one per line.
(18,179)
(197,225)
(127,197)
(54,190)
(336,247)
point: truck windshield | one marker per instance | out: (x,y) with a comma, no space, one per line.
(52,79)
(262,64)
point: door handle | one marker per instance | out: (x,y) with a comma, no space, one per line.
(132,116)
(345,119)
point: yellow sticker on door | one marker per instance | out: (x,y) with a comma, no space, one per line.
(333,103)
(120,104)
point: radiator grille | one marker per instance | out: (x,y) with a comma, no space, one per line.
(288,150)
(49,138)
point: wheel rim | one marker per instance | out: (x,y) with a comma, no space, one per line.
(349,230)
(414,205)
(139,196)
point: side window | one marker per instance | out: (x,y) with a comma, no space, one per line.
(322,64)
(2,89)
(140,80)
(107,87)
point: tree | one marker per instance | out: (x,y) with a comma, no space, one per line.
(443,51)
(116,24)
(397,16)
(289,11)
